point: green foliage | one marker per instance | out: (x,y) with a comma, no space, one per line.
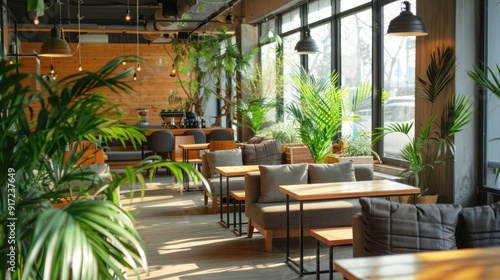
(491,84)
(358,145)
(90,238)
(317,108)
(254,113)
(280,131)
(434,144)
(203,62)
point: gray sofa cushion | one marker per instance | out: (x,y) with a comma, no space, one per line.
(235,183)
(479,227)
(223,158)
(330,213)
(124,155)
(331,173)
(271,176)
(268,152)
(393,228)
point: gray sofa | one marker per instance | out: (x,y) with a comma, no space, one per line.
(265,205)
(384,227)
(255,152)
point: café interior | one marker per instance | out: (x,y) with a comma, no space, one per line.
(192,230)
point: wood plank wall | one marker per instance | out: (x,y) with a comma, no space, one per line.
(150,90)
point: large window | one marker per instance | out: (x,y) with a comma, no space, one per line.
(347,30)
(399,83)
(356,70)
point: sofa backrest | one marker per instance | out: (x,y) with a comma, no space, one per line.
(253,180)
(386,227)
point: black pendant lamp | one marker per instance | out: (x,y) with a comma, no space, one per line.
(406,24)
(307,45)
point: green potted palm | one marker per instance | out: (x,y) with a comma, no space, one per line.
(433,145)
(92,237)
(317,109)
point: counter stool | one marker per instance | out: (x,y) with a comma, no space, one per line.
(331,237)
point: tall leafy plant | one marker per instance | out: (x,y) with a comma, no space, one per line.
(434,143)
(317,109)
(205,64)
(90,238)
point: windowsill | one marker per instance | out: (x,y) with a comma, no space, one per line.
(388,172)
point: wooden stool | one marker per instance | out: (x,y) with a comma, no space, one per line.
(238,196)
(331,237)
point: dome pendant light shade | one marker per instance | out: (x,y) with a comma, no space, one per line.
(406,24)
(55,46)
(307,45)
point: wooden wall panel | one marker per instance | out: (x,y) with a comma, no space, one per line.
(150,90)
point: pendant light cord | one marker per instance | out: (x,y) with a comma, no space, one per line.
(79,33)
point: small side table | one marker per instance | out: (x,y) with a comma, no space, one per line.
(238,196)
(331,237)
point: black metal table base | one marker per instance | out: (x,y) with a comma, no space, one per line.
(237,230)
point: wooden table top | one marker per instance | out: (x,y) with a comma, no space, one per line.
(347,190)
(478,263)
(239,195)
(199,146)
(234,171)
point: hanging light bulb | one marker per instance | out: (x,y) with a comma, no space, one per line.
(127,15)
(138,67)
(124,63)
(173,73)
(135,76)
(52,71)
(36,21)
(80,68)
(54,76)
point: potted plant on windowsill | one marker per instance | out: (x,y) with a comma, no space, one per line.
(355,148)
(433,145)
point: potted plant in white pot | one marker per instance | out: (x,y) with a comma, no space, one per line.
(433,145)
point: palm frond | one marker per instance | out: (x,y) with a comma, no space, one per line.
(440,72)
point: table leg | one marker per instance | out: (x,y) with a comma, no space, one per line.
(227,201)
(185,158)
(220,198)
(234,214)
(317,259)
(239,217)
(301,238)
(287,228)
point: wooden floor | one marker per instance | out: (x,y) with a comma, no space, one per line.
(185,241)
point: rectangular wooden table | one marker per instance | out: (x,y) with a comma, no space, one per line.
(228,172)
(329,191)
(478,263)
(185,155)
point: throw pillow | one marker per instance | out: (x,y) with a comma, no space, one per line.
(479,227)
(266,153)
(394,228)
(271,176)
(331,173)
(223,158)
